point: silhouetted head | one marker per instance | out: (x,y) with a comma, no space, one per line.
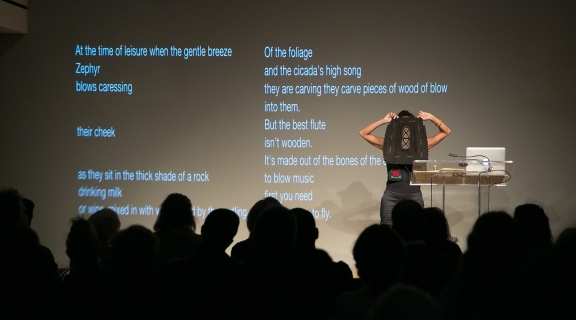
(565,247)
(82,244)
(406,302)
(258,208)
(306,226)
(19,236)
(274,233)
(134,249)
(405,114)
(175,212)
(379,255)
(106,223)
(534,225)
(438,230)
(28,209)
(220,228)
(496,237)
(12,211)
(409,221)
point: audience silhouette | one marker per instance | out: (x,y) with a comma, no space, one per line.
(512,268)
(403,302)
(175,228)
(198,274)
(107,224)
(425,267)
(565,284)
(438,235)
(85,278)
(379,255)
(535,226)
(243,250)
(29,282)
(134,276)
(320,279)
(12,209)
(267,282)
(28,209)
(489,269)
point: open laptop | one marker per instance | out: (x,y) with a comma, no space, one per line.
(485,157)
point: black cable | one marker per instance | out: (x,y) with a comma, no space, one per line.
(505,172)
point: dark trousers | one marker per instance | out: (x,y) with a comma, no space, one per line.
(390,199)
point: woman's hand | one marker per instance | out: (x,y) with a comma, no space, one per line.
(425,115)
(389,117)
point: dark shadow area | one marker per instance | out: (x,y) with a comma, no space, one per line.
(7,41)
(357,207)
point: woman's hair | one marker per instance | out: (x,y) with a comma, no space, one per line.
(438,228)
(535,225)
(175,212)
(11,208)
(379,255)
(496,236)
(82,244)
(258,208)
(134,249)
(106,223)
(405,113)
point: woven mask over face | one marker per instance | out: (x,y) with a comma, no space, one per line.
(405,141)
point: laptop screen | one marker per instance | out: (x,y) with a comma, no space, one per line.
(485,156)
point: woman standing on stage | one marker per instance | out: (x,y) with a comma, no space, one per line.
(398,185)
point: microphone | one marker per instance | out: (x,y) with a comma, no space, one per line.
(461,164)
(470,158)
